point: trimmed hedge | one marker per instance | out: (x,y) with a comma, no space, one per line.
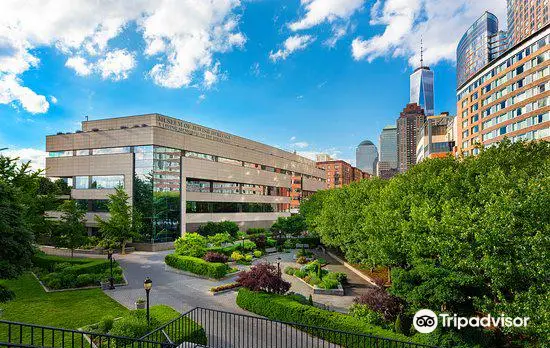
(287,309)
(197,266)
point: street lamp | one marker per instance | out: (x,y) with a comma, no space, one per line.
(279,266)
(147,285)
(242,238)
(111,279)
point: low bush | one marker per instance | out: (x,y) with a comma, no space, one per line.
(197,266)
(215,257)
(379,300)
(237,256)
(252,231)
(257,254)
(227,250)
(369,316)
(6,294)
(263,277)
(329,283)
(105,324)
(290,270)
(191,244)
(246,246)
(219,238)
(212,228)
(301,260)
(260,241)
(287,309)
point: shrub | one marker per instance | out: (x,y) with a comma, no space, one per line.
(223,250)
(270,242)
(191,244)
(289,244)
(290,270)
(260,241)
(286,308)
(219,238)
(237,256)
(105,324)
(313,279)
(263,277)
(6,294)
(86,280)
(248,257)
(380,301)
(329,283)
(213,228)
(369,316)
(258,253)
(300,273)
(301,260)
(248,245)
(215,257)
(197,266)
(252,231)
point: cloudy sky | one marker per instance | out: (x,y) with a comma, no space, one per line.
(305,75)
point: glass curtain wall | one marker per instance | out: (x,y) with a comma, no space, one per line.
(157,191)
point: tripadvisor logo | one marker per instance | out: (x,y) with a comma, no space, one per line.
(426,321)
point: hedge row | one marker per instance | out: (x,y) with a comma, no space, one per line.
(197,266)
(50,263)
(285,308)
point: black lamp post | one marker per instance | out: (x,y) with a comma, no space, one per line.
(279,266)
(147,285)
(242,238)
(111,279)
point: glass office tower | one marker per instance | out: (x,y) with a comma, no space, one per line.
(366,157)
(480,44)
(422,89)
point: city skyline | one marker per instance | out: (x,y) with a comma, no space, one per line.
(257,88)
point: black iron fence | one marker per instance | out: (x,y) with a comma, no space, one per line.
(13,334)
(202,327)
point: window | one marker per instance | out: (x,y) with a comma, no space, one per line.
(82,182)
(199,155)
(225,187)
(230,161)
(198,186)
(60,153)
(111,150)
(250,189)
(82,152)
(107,181)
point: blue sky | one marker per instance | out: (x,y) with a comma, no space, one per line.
(312,76)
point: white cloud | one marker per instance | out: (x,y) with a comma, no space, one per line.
(116,65)
(11,91)
(301,144)
(291,45)
(183,36)
(441,23)
(299,97)
(201,98)
(211,76)
(37,157)
(292,138)
(79,65)
(255,69)
(53,99)
(319,11)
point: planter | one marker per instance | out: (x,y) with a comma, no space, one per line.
(105,285)
(140,305)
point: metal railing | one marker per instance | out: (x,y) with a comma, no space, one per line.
(14,334)
(203,327)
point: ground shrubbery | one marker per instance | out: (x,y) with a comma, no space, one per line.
(288,309)
(6,294)
(215,257)
(313,274)
(213,228)
(134,325)
(263,277)
(197,266)
(57,272)
(192,244)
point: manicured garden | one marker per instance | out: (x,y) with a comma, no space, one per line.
(57,272)
(314,274)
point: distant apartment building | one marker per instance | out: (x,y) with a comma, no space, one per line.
(436,137)
(509,97)
(366,157)
(479,45)
(525,18)
(387,163)
(409,122)
(340,173)
(179,175)
(323,157)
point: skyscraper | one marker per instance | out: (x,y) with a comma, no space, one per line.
(422,86)
(479,45)
(387,165)
(366,157)
(409,122)
(525,17)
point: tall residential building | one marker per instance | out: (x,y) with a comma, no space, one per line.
(323,157)
(436,137)
(366,157)
(526,17)
(509,97)
(340,173)
(179,175)
(387,164)
(409,122)
(479,45)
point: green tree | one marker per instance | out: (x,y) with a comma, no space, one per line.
(71,230)
(191,244)
(123,223)
(294,225)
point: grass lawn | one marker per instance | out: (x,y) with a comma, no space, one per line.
(66,309)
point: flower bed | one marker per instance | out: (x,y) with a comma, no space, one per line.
(224,288)
(314,275)
(58,273)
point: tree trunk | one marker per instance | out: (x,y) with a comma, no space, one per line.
(389,275)
(123,251)
(72,253)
